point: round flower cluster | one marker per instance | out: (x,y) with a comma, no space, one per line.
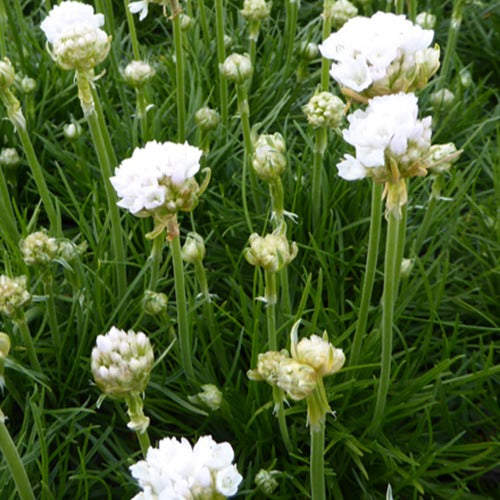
(178,471)
(256,10)
(271,252)
(9,157)
(121,362)
(237,68)
(39,248)
(324,110)
(73,30)
(137,73)
(159,175)
(387,133)
(269,160)
(14,294)
(384,54)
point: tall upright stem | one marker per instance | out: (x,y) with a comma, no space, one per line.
(204,22)
(325,63)
(387,320)
(321,138)
(28,342)
(271,298)
(399,7)
(179,71)
(317,461)
(132,31)
(370,268)
(451,42)
(155,260)
(221,56)
(17,470)
(182,313)
(8,224)
(292,9)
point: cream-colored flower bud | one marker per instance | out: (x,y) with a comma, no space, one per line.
(210,396)
(341,11)
(154,303)
(296,379)
(4,345)
(465,78)
(309,51)
(318,353)
(69,251)
(7,73)
(237,68)
(14,294)
(193,249)
(442,157)
(186,22)
(406,268)
(426,20)
(39,249)
(426,64)
(442,98)
(256,10)
(207,118)
(271,252)
(121,362)
(28,85)
(9,157)
(137,73)
(268,366)
(265,481)
(72,131)
(269,160)
(324,110)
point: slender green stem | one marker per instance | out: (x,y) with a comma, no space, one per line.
(132,31)
(317,461)
(425,226)
(204,22)
(280,411)
(221,56)
(245,124)
(8,224)
(412,10)
(325,63)
(399,6)
(387,320)
(3,26)
(28,342)
(271,299)
(451,42)
(17,470)
(179,71)
(292,9)
(182,313)
(400,249)
(155,261)
(144,442)
(286,305)
(103,130)
(370,268)
(277,201)
(116,231)
(52,313)
(321,138)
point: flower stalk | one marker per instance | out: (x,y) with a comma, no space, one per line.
(132,31)
(221,56)
(317,461)
(179,70)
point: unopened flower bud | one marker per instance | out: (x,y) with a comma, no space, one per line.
(186,22)
(7,74)
(256,10)
(14,294)
(441,157)
(228,42)
(340,12)
(426,20)
(137,73)
(406,268)
(207,119)
(193,249)
(269,160)
(309,51)
(210,396)
(39,248)
(69,251)
(465,78)
(28,85)
(442,98)
(72,131)
(121,362)
(237,68)
(324,110)
(271,252)
(9,157)
(265,481)
(154,303)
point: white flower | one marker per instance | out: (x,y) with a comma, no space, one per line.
(379,54)
(388,128)
(145,181)
(175,470)
(73,30)
(141,7)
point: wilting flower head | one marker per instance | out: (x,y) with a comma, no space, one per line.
(237,67)
(142,6)
(39,248)
(14,294)
(271,252)
(121,362)
(158,177)
(73,31)
(324,110)
(137,73)
(384,54)
(269,160)
(177,470)
(256,10)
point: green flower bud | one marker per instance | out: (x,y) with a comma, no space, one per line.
(340,12)
(265,481)
(406,268)
(441,157)
(269,160)
(237,68)
(72,131)
(137,73)
(207,119)
(309,51)
(186,22)
(442,98)
(154,303)
(210,396)
(28,85)
(324,110)
(426,20)
(7,74)
(193,249)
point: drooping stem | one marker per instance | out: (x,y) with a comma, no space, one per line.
(387,320)
(132,31)
(28,342)
(317,461)
(221,56)
(182,313)
(370,268)
(17,470)
(321,137)
(179,70)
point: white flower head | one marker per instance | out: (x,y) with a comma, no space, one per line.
(39,248)
(74,32)
(177,470)
(382,54)
(9,157)
(158,176)
(137,73)
(340,12)
(237,68)
(141,7)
